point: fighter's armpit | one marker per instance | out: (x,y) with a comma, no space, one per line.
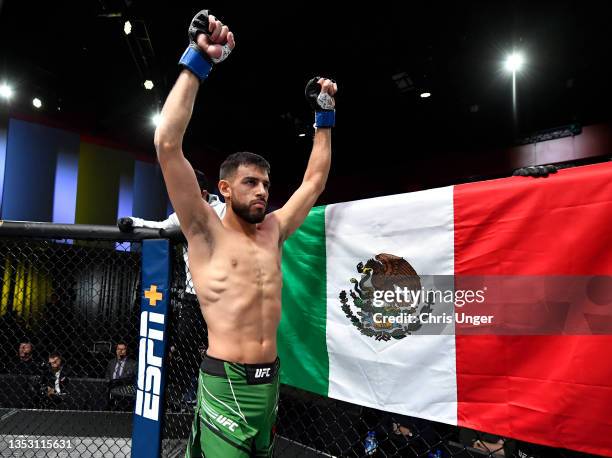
(205,229)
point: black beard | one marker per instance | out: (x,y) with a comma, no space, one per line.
(244,212)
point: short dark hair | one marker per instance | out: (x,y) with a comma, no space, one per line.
(56,354)
(233,161)
(202,180)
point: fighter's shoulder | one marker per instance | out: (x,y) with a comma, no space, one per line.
(272,220)
(272,225)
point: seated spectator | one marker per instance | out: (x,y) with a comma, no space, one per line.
(418,434)
(121,375)
(24,386)
(12,329)
(25,363)
(121,369)
(489,444)
(55,382)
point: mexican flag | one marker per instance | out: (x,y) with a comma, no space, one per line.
(544,387)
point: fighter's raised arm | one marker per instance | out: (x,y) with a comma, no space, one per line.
(320,94)
(235,263)
(210,43)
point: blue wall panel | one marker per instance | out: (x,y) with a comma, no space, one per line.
(3,133)
(30,171)
(64,197)
(150,197)
(126,194)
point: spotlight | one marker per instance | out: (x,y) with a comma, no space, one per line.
(6,92)
(127,27)
(36,102)
(514,62)
(148,84)
(301,135)
(425,95)
(155,119)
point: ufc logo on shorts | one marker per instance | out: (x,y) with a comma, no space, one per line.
(229,424)
(260,373)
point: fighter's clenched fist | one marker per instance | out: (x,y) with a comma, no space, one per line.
(320,94)
(209,42)
(216,40)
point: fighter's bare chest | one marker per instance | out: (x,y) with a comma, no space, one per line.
(260,254)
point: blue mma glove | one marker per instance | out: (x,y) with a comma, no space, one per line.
(322,103)
(194,59)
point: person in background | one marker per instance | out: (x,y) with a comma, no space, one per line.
(56,382)
(122,367)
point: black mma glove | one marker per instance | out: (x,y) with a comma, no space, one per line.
(322,103)
(535,171)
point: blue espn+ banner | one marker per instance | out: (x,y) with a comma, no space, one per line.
(146,434)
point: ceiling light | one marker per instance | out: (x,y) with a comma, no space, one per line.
(424,95)
(36,102)
(6,92)
(148,84)
(127,27)
(514,62)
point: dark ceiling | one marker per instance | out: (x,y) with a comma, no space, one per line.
(75,55)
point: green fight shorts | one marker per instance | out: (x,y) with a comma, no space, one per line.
(236,410)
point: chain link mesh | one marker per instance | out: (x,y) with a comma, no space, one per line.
(70,302)
(65,304)
(308,424)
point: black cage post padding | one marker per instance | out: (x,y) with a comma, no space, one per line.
(74,231)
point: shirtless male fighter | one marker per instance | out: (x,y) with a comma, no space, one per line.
(235,262)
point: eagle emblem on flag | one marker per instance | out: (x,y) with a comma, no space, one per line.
(372,303)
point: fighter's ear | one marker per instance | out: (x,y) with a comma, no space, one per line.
(224,188)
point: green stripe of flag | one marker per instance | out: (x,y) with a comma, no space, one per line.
(303,349)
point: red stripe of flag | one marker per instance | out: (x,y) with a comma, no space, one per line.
(554,390)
